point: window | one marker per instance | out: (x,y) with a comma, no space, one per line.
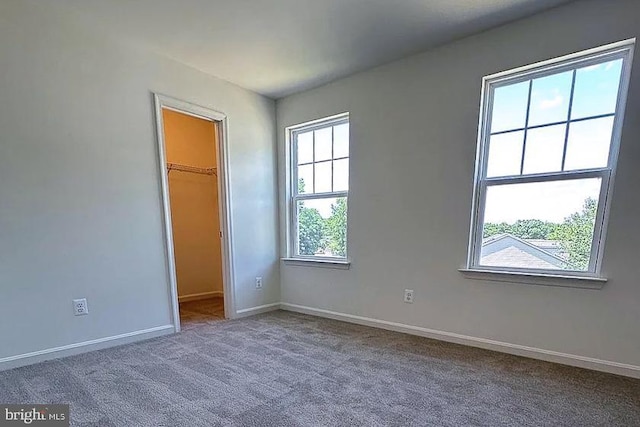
(319,188)
(548,145)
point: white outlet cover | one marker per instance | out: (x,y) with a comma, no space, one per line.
(80,307)
(408,296)
(258,282)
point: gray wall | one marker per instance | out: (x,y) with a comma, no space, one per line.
(413,141)
(80,205)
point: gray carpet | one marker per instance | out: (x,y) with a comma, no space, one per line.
(286,369)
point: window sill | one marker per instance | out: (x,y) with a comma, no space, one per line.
(544,279)
(340,264)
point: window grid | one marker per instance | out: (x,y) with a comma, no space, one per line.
(604,173)
(526,127)
(567,122)
(570,109)
(313,158)
(312,195)
(333,143)
(322,161)
(581,119)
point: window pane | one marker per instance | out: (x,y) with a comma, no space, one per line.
(596,90)
(550,99)
(305,179)
(341,175)
(505,154)
(323,177)
(322,227)
(544,149)
(305,147)
(509,107)
(341,141)
(542,225)
(323,144)
(589,144)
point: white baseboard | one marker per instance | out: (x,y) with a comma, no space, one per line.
(504,347)
(257,310)
(200,296)
(516,349)
(82,347)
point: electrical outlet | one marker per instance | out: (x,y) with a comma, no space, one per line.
(258,282)
(408,296)
(80,307)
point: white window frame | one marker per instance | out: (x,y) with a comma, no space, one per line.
(623,50)
(293,197)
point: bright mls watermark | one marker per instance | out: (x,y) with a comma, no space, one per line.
(34,415)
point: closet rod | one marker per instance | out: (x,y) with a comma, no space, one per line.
(191,169)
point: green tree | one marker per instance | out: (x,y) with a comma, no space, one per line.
(576,234)
(491,229)
(533,229)
(523,228)
(336,228)
(311,227)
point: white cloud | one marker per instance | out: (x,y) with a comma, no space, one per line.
(554,102)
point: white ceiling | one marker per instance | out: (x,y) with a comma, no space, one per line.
(278,47)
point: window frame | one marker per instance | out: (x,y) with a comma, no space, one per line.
(293,197)
(620,50)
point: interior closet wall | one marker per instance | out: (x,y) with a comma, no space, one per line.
(194,205)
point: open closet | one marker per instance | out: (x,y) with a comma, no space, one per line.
(190,147)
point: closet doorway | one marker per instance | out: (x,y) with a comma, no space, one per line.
(191,142)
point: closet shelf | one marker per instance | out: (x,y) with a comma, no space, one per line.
(190,169)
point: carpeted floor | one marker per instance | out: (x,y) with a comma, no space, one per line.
(287,369)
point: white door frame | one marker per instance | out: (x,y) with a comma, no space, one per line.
(166,102)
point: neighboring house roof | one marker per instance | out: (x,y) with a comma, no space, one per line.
(552,246)
(506,250)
